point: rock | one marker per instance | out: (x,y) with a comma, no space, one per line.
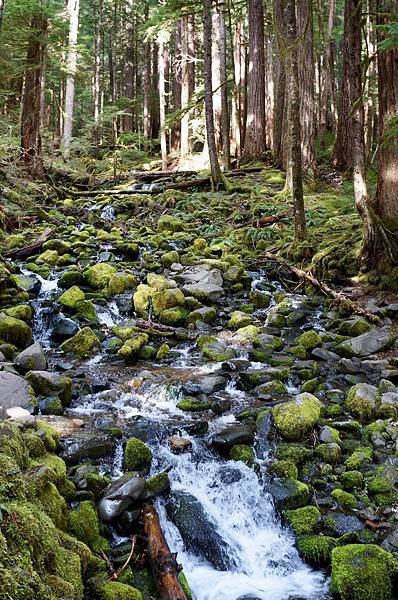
(193,404)
(290,493)
(85,445)
(142,299)
(137,455)
(208,384)
(46,383)
(295,419)
(203,282)
(72,297)
(64,328)
(309,340)
(15,391)
(170,223)
(33,358)
(362,572)
(179,444)
(231,436)
(198,532)
(239,319)
(324,354)
(390,541)
(260,299)
(15,331)
(362,401)
(215,350)
(21,415)
(165,299)
(340,524)
(252,378)
(132,347)
(98,276)
(120,495)
(329,435)
(368,343)
(329,452)
(84,343)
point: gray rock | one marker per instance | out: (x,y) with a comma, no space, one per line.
(198,531)
(2,357)
(20,415)
(203,282)
(85,445)
(340,523)
(209,384)
(346,365)
(232,435)
(64,328)
(15,391)
(390,542)
(327,435)
(46,383)
(119,496)
(33,358)
(389,398)
(3,413)
(366,344)
(324,354)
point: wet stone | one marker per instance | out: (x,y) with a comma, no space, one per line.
(231,436)
(85,445)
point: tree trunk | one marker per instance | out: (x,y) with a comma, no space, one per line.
(97,18)
(226,147)
(328,91)
(162,100)
(71,64)
(306,66)
(147,91)
(30,119)
(380,250)
(294,172)
(176,82)
(216,175)
(2,3)
(216,76)
(269,92)
(255,145)
(280,90)
(154,96)
(350,89)
(185,91)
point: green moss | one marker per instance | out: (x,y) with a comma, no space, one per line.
(70,278)
(131,348)
(15,331)
(351,480)
(173,316)
(54,505)
(84,525)
(22,311)
(48,434)
(67,566)
(309,340)
(158,484)
(193,405)
(165,299)
(84,343)
(170,223)
(34,444)
(295,419)
(345,499)
(12,444)
(137,455)
(362,401)
(163,352)
(243,453)
(329,453)
(284,468)
(359,458)
(185,585)
(12,482)
(119,283)
(311,385)
(303,520)
(296,453)
(71,297)
(85,309)
(316,549)
(49,257)
(98,276)
(362,572)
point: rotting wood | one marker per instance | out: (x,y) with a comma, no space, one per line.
(338,297)
(31,248)
(163,562)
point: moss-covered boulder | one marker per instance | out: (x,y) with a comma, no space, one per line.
(239,319)
(173,316)
(83,344)
(60,246)
(142,299)
(316,549)
(303,520)
(85,526)
(15,331)
(243,453)
(295,419)
(362,401)
(103,589)
(193,405)
(284,468)
(98,276)
(137,455)
(71,297)
(165,299)
(170,223)
(362,572)
(290,493)
(214,349)
(23,312)
(344,499)
(131,347)
(48,257)
(309,340)
(85,311)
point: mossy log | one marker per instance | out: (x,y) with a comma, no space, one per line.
(163,563)
(31,248)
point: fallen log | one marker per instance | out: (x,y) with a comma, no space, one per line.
(338,297)
(31,248)
(163,563)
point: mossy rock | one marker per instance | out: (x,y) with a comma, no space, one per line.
(295,419)
(70,278)
(15,331)
(137,455)
(329,452)
(158,484)
(54,505)
(85,309)
(316,549)
(170,223)
(98,276)
(22,311)
(168,258)
(83,344)
(298,454)
(284,468)
(84,525)
(193,405)
(120,283)
(362,572)
(165,299)
(131,348)
(351,480)
(239,319)
(309,340)
(290,493)
(72,297)
(173,316)
(12,482)
(142,299)
(48,434)
(362,401)
(242,452)
(163,352)
(303,520)
(103,589)
(48,257)
(59,245)
(344,499)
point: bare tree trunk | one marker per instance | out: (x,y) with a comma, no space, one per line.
(162,99)
(280,91)
(294,174)
(185,91)
(71,64)
(235,41)
(176,83)
(371,81)
(97,18)
(30,119)
(216,76)
(216,175)
(255,145)
(328,89)
(380,250)
(2,3)
(147,91)
(154,96)
(269,92)
(306,67)
(226,147)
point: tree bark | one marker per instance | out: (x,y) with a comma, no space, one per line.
(185,88)
(71,64)
(328,91)
(255,146)
(216,76)
(97,19)
(294,172)
(306,68)
(30,121)
(280,89)
(226,147)
(380,251)
(162,99)
(216,175)
(147,90)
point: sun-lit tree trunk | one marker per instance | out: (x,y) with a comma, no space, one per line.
(269,92)
(147,91)
(328,87)
(255,146)
(350,89)
(162,99)
(176,85)
(226,147)
(187,81)
(294,178)
(31,151)
(306,68)
(216,76)
(97,21)
(380,250)
(216,175)
(280,103)
(371,80)
(71,65)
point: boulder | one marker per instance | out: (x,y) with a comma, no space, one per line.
(33,358)
(98,276)
(71,297)
(15,331)
(64,328)
(203,282)
(169,298)
(119,496)
(46,383)
(20,415)
(362,401)
(83,344)
(85,445)
(368,343)
(295,419)
(15,391)
(198,531)
(232,435)
(208,384)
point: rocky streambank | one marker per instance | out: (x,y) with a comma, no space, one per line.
(141,363)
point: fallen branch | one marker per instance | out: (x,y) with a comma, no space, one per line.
(116,574)
(270,220)
(31,248)
(163,563)
(338,297)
